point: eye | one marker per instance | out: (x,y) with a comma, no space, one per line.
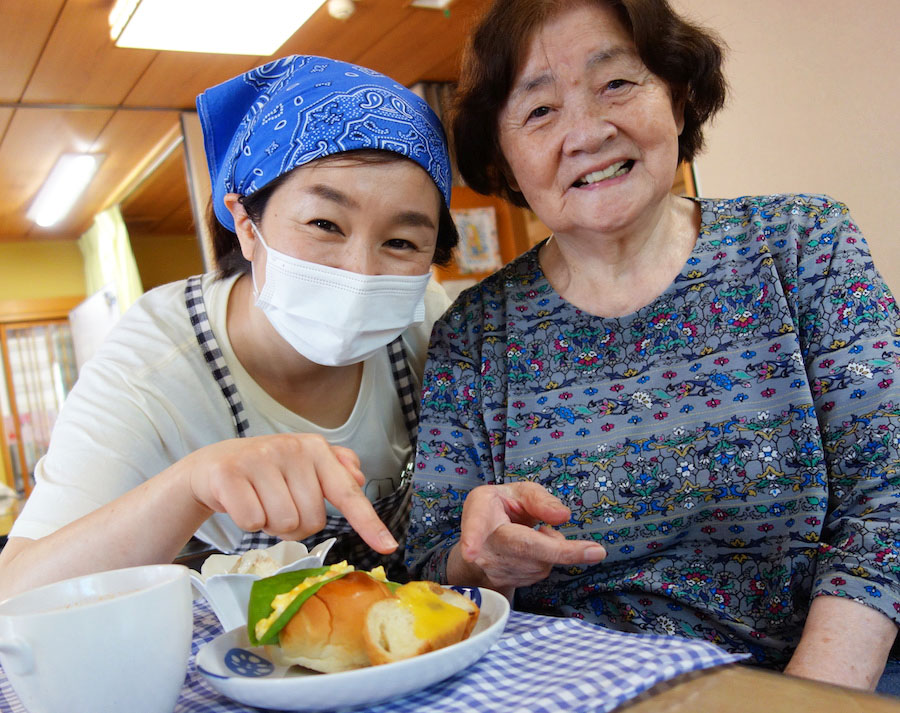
(617,84)
(325,225)
(400,244)
(538,113)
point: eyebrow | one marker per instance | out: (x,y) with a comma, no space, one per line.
(407,218)
(547,79)
(413,219)
(332,194)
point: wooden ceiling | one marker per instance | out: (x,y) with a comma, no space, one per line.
(64,87)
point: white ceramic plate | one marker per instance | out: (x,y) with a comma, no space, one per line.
(238,670)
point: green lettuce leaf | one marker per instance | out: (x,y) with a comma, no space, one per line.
(266,589)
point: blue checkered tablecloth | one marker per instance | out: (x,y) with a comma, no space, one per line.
(539,665)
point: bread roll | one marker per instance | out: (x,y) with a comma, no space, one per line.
(421,617)
(326,633)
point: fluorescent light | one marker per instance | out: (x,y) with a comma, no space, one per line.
(431,4)
(66,182)
(219,26)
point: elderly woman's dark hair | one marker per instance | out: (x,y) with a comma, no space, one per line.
(687,57)
(227,249)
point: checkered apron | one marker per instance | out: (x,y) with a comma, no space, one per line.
(392,509)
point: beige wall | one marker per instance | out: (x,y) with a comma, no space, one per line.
(39,269)
(814,106)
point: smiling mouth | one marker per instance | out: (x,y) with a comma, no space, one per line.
(613,171)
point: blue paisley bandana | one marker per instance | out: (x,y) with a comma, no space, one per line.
(294,110)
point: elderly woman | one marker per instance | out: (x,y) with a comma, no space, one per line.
(671,416)
(279,393)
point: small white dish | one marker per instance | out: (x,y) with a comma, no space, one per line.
(245,674)
(228,593)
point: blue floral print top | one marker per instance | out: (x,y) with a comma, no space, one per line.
(734,444)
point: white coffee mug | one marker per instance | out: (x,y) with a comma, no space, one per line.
(103,643)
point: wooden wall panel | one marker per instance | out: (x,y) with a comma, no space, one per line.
(23,32)
(81,65)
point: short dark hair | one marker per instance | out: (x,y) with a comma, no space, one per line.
(229,260)
(687,57)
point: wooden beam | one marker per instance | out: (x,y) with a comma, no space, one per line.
(38,309)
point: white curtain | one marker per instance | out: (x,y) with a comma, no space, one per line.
(108,258)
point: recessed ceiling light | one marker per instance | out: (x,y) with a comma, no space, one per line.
(65,183)
(218,26)
(341,9)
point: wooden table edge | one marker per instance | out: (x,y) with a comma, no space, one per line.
(736,688)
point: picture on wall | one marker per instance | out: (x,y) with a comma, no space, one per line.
(479,250)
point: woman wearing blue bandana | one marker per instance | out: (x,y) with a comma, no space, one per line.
(277,396)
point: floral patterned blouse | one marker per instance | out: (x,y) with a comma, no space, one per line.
(734,444)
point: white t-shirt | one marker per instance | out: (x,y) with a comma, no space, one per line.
(147,399)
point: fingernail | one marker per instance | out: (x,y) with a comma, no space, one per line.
(594,554)
(387,540)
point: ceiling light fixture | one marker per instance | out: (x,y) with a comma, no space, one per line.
(66,182)
(341,9)
(431,4)
(216,26)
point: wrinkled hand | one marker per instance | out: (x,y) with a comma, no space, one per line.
(279,484)
(498,535)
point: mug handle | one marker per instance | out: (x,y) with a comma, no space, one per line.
(19,659)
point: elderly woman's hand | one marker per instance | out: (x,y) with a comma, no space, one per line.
(500,548)
(279,484)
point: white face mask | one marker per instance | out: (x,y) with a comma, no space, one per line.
(335,317)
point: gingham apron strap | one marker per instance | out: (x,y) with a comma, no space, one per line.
(196,307)
(407,388)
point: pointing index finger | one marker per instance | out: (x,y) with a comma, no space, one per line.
(341,489)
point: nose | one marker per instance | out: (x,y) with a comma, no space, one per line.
(587,126)
(360,259)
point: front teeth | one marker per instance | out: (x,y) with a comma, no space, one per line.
(616,169)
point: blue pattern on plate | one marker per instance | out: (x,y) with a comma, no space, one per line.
(472,593)
(246,663)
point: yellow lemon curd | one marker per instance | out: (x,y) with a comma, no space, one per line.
(432,615)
